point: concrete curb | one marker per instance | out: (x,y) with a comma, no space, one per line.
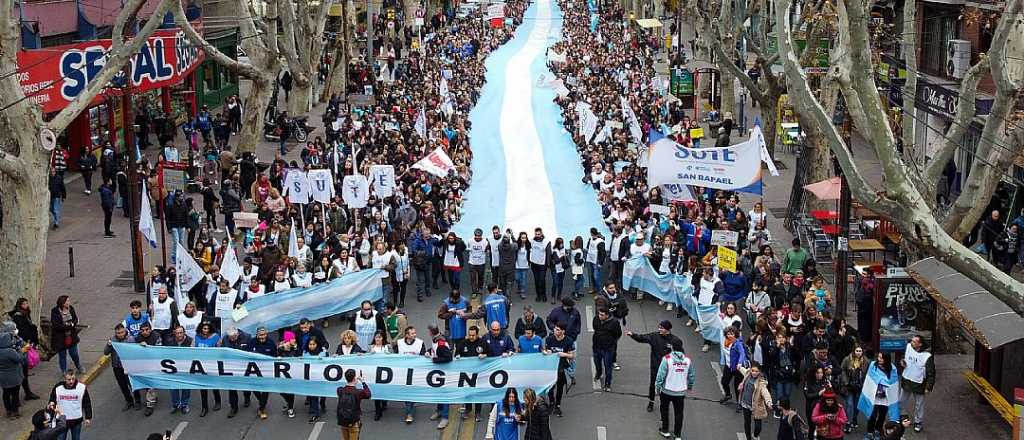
(86,378)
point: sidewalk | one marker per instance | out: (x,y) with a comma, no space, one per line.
(102,285)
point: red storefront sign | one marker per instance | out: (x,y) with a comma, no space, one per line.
(54,76)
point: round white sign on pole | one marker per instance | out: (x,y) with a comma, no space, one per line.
(48,139)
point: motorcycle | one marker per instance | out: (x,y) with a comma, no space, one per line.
(297,128)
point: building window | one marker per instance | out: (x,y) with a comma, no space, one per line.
(940,25)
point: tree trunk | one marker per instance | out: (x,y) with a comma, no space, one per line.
(299,100)
(337,80)
(771,133)
(23,236)
(253,115)
(818,163)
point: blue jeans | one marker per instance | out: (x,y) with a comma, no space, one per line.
(557,284)
(284,138)
(75,428)
(521,275)
(178,235)
(595,275)
(603,364)
(410,408)
(422,282)
(180,398)
(442,408)
(314,405)
(55,209)
(851,407)
(782,390)
(454,278)
(62,358)
(229,222)
(578,284)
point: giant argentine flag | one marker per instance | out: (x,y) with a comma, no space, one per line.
(526,171)
(736,167)
(285,309)
(888,395)
(638,273)
(389,376)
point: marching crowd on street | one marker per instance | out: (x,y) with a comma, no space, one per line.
(780,335)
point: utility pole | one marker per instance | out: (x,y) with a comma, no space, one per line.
(134,187)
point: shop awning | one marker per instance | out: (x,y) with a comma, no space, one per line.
(648,23)
(983,315)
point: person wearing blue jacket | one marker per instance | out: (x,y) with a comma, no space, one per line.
(506,416)
(262,344)
(733,356)
(455,311)
(698,237)
(207,337)
(495,307)
(421,248)
(497,342)
(735,286)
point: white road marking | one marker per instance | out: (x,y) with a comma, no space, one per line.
(590,319)
(178,430)
(602,433)
(593,367)
(315,434)
(718,374)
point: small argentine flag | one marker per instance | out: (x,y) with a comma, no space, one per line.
(146,218)
(880,389)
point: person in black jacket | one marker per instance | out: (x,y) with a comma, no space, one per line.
(607,332)
(107,203)
(58,194)
(537,416)
(530,320)
(87,165)
(262,344)
(661,343)
(64,332)
(618,252)
(237,340)
(42,421)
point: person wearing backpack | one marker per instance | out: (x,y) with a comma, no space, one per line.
(791,426)
(349,410)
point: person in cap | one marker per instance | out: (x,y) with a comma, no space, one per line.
(676,375)
(661,344)
(829,417)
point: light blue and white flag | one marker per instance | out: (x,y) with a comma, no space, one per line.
(146,226)
(389,376)
(285,309)
(638,273)
(880,389)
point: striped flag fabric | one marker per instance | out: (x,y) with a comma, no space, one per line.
(146,226)
(880,389)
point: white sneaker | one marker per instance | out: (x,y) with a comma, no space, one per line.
(705,348)
(668,308)
(679,438)
(442,424)
(87,192)
(436,415)
(661,303)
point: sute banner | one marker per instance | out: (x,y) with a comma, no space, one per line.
(736,167)
(389,376)
(52,77)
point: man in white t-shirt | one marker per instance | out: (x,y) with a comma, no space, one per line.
(477,248)
(917,379)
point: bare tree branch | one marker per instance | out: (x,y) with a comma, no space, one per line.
(129,11)
(115,62)
(816,115)
(994,157)
(244,69)
(965,110)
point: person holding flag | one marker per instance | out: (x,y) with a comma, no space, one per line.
(880,395)
(146,226)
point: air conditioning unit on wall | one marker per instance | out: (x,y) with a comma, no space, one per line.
(958,58)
